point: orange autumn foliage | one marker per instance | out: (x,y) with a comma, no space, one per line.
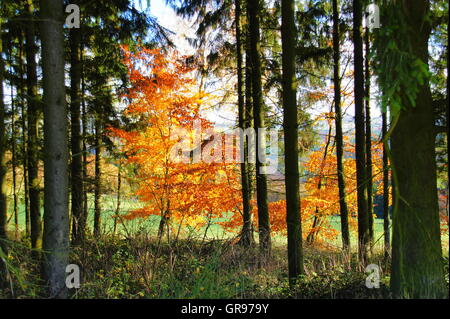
(320,203)
(164,98)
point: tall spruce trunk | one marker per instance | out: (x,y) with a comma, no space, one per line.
(386,211)
(363,219)
(246,236)
(84,121)
(249,124)
(3,169)
(417,265)
(33,138)
(3,163)
(56,202)
(290,126)
(253,7)
(448,119)
(78,220)
(345,233)
(98,177)
(14,159)
(21,93)
(368,135)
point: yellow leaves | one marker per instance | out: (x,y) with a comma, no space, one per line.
(165,98)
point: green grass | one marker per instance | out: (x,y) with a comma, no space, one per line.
(150,225)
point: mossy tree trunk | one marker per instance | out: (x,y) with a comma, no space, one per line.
(386,210)
(417,266)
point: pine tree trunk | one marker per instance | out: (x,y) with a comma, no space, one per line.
(417,266)
(33,141)
(448,120)
(368,135)
(56,205)
(24,139)
(98,178)
(14,161)
(78,221)
(386,211)
(84,138)
(290,126)
(249,124)
(363,220)
(345,233)
(3,170)
(3,165)
(246,235)
(259,119)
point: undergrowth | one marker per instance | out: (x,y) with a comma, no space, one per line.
(142,267)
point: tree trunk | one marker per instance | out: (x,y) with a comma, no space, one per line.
(246,236)
(368,135)
(258,111)
(98,177)
(448,121)
(84,138)
(119,184)
(56,206)
(14,161)
(386,212)
(345,233)
(3,163)
(417,267)
(363,220)
(78,221)
(314,231)
(33,141)
(290,126)
(249,124)
(24,139)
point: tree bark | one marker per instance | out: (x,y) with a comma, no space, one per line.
(21,94)
(14,160)
(290,126)
(253,7)
(98,177)
(78,220)
(56,210)
(363,220)
(3,162)
(246,234)
(345,233)
(417,267)
(386,212)
(368,135)
(84,138)
(119,185)
(33,140)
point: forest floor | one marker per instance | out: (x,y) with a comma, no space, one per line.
(142,267)
(134,264)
